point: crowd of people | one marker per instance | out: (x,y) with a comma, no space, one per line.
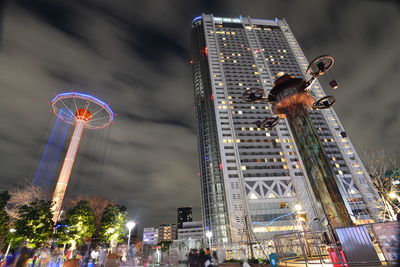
(202,258)
(47,257)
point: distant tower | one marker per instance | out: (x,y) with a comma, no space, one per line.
(184,215)
(82,111)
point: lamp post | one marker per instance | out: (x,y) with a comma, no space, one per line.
(393,195)
(130,226)
(209,234)
(9,244)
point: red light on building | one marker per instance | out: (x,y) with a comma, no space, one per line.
(212,98)
(220,165)
(191,61)
(206,51)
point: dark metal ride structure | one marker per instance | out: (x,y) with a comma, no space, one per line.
(290,98)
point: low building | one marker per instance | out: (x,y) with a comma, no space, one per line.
(150,235)
(167,232)
(191,230)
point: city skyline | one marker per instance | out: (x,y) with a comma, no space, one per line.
(124,57)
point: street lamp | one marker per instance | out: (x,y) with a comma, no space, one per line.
(297,207)
(209,234)
(130,226)
(12,230)
(392,195)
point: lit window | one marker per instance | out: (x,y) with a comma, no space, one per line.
(279,74)
(243,168)
(253,196)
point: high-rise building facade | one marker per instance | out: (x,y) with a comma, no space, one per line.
(251,178)
(184,214)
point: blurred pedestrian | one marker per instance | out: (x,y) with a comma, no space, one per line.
(202,258)
(214,259)
(94,255)
(102,256)
(111,259)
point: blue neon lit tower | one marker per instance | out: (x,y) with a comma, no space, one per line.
(82,111)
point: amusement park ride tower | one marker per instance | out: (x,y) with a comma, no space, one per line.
(290,98)
(82,111)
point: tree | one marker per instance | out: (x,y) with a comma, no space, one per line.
(112,225)
(97,204)
(165,245)
(35,223)
(22,196)
(4,218)
(378,164)
(79,224)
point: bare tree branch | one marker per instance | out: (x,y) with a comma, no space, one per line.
(23,195)
(377,164)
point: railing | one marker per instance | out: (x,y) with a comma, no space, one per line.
(363,245)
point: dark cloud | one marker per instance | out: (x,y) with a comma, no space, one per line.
(134,55)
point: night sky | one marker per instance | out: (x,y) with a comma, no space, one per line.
(135,56)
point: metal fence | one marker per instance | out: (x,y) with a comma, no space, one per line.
(356,245)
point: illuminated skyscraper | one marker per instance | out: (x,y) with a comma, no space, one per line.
(184,215)
(251,174)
